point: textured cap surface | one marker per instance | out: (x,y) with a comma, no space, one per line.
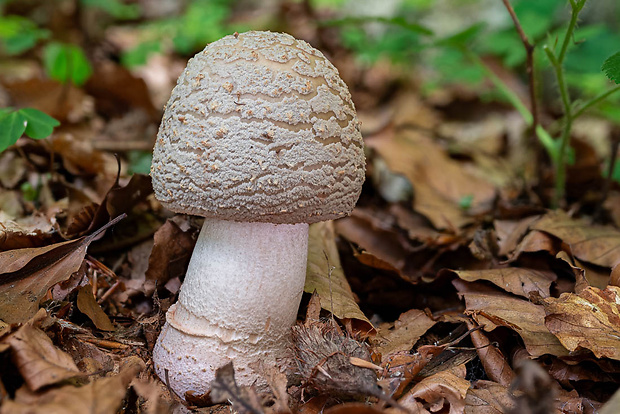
(259,128)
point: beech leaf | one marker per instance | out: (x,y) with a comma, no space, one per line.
(39,362)
(324,275)
(87,304)
(589,320)
(27,274)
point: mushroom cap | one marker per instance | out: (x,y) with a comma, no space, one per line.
(259,128)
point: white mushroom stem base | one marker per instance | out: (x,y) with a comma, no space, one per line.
(238,302)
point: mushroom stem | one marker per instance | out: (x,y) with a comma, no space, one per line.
(238,302)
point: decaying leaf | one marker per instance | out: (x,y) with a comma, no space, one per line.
(511,232)
(599,245)
(589,320)
(487,397)
(379,248)
(495,364)
(324,275)
(515,280)
(101,396)
(403,334)
(87,304)
(30,231)
(39,362)
(225,388)
(439,182)
(439,390)
(27,274)
(491,308)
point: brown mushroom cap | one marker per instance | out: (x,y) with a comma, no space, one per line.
(259,128)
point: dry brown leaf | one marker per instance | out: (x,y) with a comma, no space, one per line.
(491,308)
(170,255)
(324,275)
(27,274)
(87,304)
(515,280)
(101,396)
(353,408)
(511,232)
(599,245)
(403,334)
(40,362)
(495,364)
(438,390)
(536,241)
(440,183)
(565,372)
(487,397)
(590,320)
(30,231)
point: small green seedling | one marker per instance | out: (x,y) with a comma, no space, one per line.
(16,122)
(66,63)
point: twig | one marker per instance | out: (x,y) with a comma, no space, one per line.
(529,50)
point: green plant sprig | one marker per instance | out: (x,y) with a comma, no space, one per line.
(16,122)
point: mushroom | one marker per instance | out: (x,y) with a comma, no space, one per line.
(261,138)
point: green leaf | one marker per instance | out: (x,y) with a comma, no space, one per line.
(39,125)
(64,63)
(115,8)
(12,126)
(611,67)
(396,21)
(139,55)
(18,34)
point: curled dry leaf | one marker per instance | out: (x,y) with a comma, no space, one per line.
(589,320)
(491,308)
(440,183)
(511,232)
(487,397)
(495,364)
(101,396)
(39,362)
(30,231)
(87,304)
(380,248)
(403,334)
(324,275)
(27,274)
(599,245)
(515,280)
(439,390)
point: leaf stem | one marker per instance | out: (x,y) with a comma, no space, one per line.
(587,105)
